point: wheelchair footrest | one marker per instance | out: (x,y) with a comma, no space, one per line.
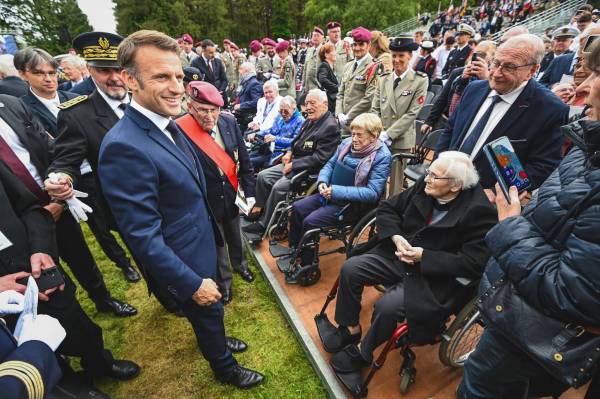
(278,250)
(326,329)
(284,263)
(354,383)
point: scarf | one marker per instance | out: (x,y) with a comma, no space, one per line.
(363,168)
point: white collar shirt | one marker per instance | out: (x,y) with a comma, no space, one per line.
(51,105)
(161,122)
(114,104)
(13,141)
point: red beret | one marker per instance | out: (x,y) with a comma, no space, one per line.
(282,46)
(361,34)
(226,41)
(204,92)
(186,37)
(318,30)
(233,45)
(333,24)
(255,46)
(267,41)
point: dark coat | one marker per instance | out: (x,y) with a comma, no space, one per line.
(453,247)
(328,82)
(86,87)
(441,105)
(66,86)
(315,143)
(532,124)
(565,283)
(220,193)
(456,59)
(47,119)
(217,77)
(14,86)
(559,66)
(252,91)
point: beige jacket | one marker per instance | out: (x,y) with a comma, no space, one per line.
(355,95)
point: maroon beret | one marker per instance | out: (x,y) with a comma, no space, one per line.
(226,41)
(186,37)
(267,41)
(233,45)
(255,46)
(282,46)
(204,92)
(333,24)
(361,34)
(318,30)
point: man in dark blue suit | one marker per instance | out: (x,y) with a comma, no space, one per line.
(155,187)
(561,65)
(212,68)
(250,91)
(511,104)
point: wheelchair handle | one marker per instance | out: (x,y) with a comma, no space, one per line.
(299,175)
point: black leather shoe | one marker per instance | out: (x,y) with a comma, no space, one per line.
(124,370)
(254,228)
(226,296)
(253,217)
(235,345)
(131,274)
(336,340)
(349,360)
(247,275)
(242,377)
(117,307)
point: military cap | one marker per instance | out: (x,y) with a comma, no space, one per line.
(464,29)
(233,45)
(427,45)
(403,43)
(186,37)
(361,34)
(565,31)
(191,74)
(303,40)
(333,24)
(99,49)
(255,46)
(267,41)
(282,46)
(318,30)
(204,92)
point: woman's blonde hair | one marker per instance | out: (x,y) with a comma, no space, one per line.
(369,122)
(379,43)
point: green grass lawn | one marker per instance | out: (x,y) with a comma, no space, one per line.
(165,346)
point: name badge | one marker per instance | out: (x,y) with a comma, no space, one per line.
(406,93)
(4,242)
(308,144)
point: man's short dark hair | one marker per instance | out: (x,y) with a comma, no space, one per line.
(31,57)
(585,17)
(207,43)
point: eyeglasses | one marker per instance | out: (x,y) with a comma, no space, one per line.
(39,74)
(206,111)
(432,176)
(510,68)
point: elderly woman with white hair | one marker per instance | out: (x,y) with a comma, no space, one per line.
(427,236)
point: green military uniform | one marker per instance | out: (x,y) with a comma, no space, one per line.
(264,65)
(309,71)
(227,59)
(286,81)
(237,62)
(398,109)
(356,90)
(186,60)
(342,58)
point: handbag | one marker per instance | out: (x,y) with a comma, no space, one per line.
(568,351)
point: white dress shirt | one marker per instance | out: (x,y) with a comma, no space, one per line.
(498,113)
(159,121)
(266,122)
(441,56)
(13,141)
(114,104)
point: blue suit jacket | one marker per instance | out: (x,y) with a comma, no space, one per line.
(46,118)
(86,87)
(158,199)
(252,91)
(559,66)
(532,124)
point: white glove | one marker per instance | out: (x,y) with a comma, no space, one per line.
(77,208)
(11,302)
(42,328)
(267,75)
(251,201)
(383,136)
(342,118)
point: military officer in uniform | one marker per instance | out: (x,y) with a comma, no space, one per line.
(190,74)
(311,63)
(255,52)
(187,54)
(227,59)
(267,63)
(399,97)
(356,90)
(238,59)
(562,38)
(426,62)
(287,72)
(343,53)
(461,53)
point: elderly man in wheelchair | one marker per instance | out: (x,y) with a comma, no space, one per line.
(350,184)
(427,237)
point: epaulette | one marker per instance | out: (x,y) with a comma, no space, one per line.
(27,374)
(73,101)
(422,74)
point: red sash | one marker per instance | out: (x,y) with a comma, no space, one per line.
(202,139)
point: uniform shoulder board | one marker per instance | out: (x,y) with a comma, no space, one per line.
(73,101)
(422,74)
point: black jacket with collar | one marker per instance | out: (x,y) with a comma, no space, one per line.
(217,77)
(14,86)
(315,143)
(47,119)
(219,192)
(85,88)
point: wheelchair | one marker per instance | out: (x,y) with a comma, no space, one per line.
(296,263)
(457,341)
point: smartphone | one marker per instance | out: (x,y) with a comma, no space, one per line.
(587,47)
(506,166)
(49,278)
(474,57)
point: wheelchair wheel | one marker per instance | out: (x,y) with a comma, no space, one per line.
(309,276)
(277,233)
(407,378)
(461,338)
(364,230)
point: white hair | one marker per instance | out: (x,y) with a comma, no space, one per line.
(7,66)
(248,66)
(288,101)
(320,94)
(533,44)
(272,84)
(514,32)
(459,168)
(74,60)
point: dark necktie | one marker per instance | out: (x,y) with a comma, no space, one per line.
(210,66)
(469,143)
(122,107)
(354,67)
(397,82)
(181,143)
(14,163)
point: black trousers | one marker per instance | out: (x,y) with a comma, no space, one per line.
(98,221)
(73,249)
(371,269)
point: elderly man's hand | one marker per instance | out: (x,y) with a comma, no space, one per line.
(402,247)
(287,158)
(236,107)
(327,193)
(207,294)
(425,128)
(251,137)
(269,138)
(9,282)
(59,189)
(506,210)
(254,126)
(287,168)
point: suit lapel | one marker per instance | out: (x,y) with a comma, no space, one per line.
(18,127)
(105,116)
(37,104)
(478,102)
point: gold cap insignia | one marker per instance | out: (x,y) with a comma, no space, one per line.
(195,76)
(104,43)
